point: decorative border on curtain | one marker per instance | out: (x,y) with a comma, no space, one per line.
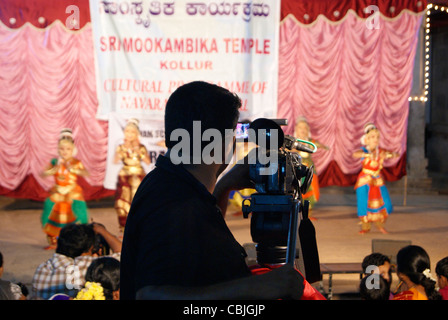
(307,12)
(42,13)
(321,17)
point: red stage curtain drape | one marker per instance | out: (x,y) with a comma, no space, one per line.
(339,73)
(332,71)
(47,83)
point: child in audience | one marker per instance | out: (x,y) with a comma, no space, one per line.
(382,263)
(442,277)
(374,287)
(102,280)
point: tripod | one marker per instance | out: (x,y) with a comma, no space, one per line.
(283,233)
(274,226)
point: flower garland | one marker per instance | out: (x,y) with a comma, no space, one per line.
(91,291)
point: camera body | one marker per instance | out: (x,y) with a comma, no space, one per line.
(277,207)
(291,177)
(287,174)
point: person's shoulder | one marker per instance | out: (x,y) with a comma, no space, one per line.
(83,260)
(411,294)
(161,184)
(184,204)
(160,212)
(55,259)
(114,255)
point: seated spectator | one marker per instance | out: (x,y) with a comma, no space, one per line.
(413,269)
(65,271)
(102,280)
(382,262)
(442,277)
(376,288)
(9,290)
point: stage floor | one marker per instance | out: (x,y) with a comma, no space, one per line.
(423,220)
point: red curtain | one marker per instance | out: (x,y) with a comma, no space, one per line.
(342,74)
(47,83)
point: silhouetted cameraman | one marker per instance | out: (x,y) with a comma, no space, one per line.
(176,243)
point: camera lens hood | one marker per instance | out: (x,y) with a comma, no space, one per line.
(264,128)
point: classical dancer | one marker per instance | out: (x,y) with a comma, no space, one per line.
(66,202)
(131,153)
(373,200)
(302,131)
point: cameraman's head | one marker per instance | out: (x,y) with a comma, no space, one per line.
(193,109)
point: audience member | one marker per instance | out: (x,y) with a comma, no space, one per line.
(65,271)
(442,277)
(382,262)
(413,269)
(9,290)
(102,280)
(374,287)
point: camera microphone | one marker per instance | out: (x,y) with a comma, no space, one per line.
(298,144)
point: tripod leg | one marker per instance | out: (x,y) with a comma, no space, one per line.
(293,232)
(330,286)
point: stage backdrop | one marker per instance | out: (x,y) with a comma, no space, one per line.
(340,66)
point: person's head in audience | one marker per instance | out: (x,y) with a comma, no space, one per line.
(442,277)
(75,240)
(374,287)
(106,271)
(413,268)
(378,262)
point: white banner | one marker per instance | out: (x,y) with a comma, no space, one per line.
(146,49)
(152,136)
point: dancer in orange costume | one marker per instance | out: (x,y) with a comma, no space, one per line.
(373,200)
(131,153)
(302,131)
(66,202)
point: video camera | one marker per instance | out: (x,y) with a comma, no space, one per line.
(279,224)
